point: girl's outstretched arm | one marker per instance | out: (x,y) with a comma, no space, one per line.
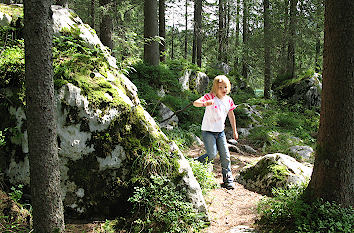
(232,120)
(200,103)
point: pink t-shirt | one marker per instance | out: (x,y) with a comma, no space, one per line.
(215,115)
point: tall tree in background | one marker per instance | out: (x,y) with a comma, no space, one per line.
(267,46)
(186,32)
(41,118)
(151,46)
(237,35)
(290,68)
(92,14)
(63,3)
(333,175)
(221,31)
(162,29)
(245,39)
(106,25)
(198,25)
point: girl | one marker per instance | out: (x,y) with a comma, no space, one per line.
(218,105)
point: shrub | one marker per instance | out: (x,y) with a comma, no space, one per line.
(289,212)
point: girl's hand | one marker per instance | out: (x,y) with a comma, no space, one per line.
(208,103)
(235,135)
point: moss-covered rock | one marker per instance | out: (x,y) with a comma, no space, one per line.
(108,144)
(273,171)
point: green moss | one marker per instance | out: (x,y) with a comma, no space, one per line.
(13,10)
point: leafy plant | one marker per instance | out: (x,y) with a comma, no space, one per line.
(160,206)
(204,175)
(16,193)
(287,211)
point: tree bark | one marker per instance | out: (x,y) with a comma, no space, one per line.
(267,46)
(63,3)
(333,175)
(151,46)
(106,26)
(198,25)
(41,118)
(194,46)
(290,70)
(186,32)
(221,31)
(245,40)
(162,29)
(237,35)
(92,14)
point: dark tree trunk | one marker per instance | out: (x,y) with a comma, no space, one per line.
(106,26)
(186,32)
(283,53)
(267,46)
(237,35)
(221,31)
(92,14)
(245,40)
(198,22)
(41,118)
(333,175)
(162,29)
(290,69)
(173,42)
(151,46)
(63,3)
(194,46)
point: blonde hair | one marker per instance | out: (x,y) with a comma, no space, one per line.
(220,79)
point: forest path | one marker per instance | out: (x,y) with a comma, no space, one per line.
(230,208)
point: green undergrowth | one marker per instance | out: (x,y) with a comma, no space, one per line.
(283,125)
(288,212)
(151,79)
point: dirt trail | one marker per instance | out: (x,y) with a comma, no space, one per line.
(230,208)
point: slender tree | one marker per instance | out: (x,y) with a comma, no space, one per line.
(162,29)
(198,25)
(290,69)
(333,175)
(151,46)
(106,25)
(63,3)
(41,118)
(92,14)
(245,39)
(267,46)
(186,32)
(221,31)
(237,35)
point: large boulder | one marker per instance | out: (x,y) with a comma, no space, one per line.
(108,143)
(198,81)
(273,171)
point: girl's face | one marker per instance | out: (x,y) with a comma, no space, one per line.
(222,90)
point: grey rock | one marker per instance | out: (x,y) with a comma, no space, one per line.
(304,152)
(242,229)
(165,113)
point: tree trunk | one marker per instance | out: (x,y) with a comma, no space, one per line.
(106,26)
(92,14)
(41,118)
(151,46)
(194,46)
(333,175)
(290,70)
(245,40)
(221,31)
(186,33)
(162,29)
(63,3)
(267,46)
(237,35)
(199,32)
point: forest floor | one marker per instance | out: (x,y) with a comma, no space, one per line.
(230,208)
(227,208)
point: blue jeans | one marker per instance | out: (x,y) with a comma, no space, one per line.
(214,142)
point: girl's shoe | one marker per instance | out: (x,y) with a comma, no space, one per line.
(228,185)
